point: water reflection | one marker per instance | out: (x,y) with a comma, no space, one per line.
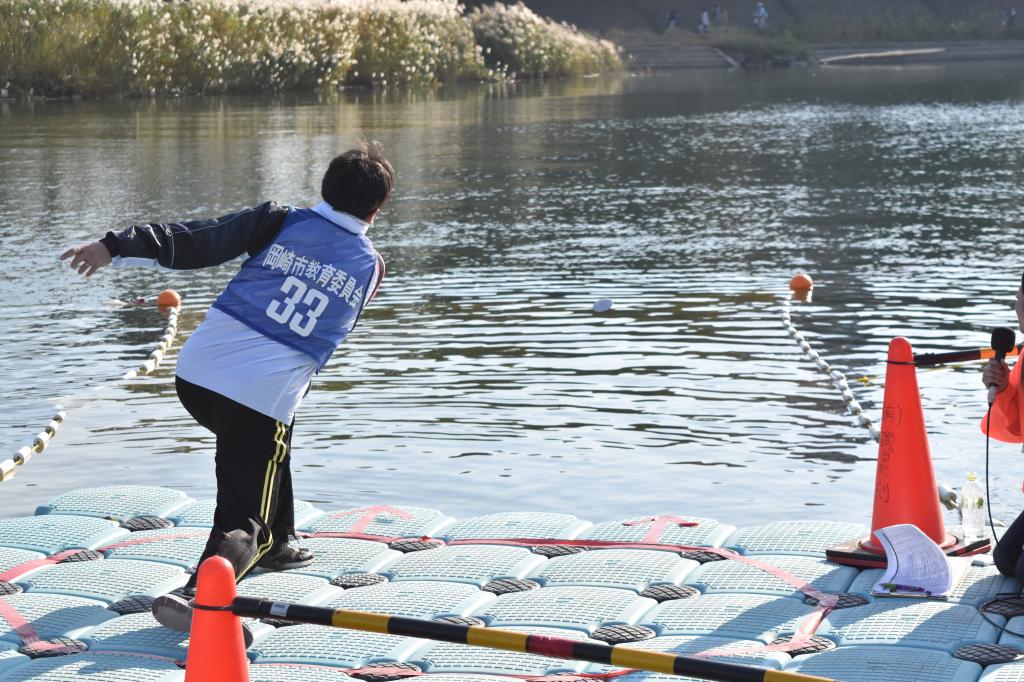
(481,380)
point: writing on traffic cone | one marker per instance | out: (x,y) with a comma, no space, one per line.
(216,649)
(904,479)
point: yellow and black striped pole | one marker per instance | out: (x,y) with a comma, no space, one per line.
(556,647)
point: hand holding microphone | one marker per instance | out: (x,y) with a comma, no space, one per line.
(997,375)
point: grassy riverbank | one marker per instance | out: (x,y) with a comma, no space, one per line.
(150,47)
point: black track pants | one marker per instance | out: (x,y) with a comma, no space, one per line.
(255,509)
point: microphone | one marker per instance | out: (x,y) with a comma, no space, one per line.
(1003,340)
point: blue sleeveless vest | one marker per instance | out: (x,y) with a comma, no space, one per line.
(306,288)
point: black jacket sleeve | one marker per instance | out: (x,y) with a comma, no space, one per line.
(200,243)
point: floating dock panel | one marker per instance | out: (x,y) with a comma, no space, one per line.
(742,616)
(631,569)
(140,633)
(298,673)
(446,657)
(573,608)
(1013,625)
(120,502)
(746,654)
(315,644)
(910,623)
(864,581)
(54,615)
(735,576)
(137,633)
(508,525)
(293,587)
(336,556)
(473,564)
(105,579)
(806,538)
(466,677)
(979,585)
(707,532)
(178,546)
(886,664)
(10,658)
(1007,672)
(415,599)
(200,514)
(644,676)
(50,534)
(10,557)
(384,521)
(565,591)
(96,668)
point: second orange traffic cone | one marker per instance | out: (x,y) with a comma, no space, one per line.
(216,649)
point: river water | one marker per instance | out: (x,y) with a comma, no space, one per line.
(481,380)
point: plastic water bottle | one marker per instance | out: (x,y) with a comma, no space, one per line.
(972,506)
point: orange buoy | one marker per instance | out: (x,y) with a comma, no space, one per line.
(169,298)
(801,282)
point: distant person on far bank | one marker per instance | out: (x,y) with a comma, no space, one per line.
(705,22)
(672,21)
(1010,16)
(721,17)
(761,17)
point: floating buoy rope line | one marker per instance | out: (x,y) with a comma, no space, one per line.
(166,341)
(837,378)
(42,439)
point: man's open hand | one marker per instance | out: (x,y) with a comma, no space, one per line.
(88,258)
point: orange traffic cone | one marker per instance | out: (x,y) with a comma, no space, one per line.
(905,490)
(216,649)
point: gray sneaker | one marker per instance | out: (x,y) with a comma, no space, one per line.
(175,613)
(285,557)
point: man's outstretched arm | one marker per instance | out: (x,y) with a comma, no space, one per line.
(185,245)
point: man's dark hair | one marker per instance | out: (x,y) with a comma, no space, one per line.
(358,181)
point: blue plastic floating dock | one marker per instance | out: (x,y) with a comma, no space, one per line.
(87,565)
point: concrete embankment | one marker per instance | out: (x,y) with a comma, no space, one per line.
(646,56)
(829,31)
(683,57)
(827,19)
(918,53)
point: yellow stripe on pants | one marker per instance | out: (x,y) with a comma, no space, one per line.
(280,450)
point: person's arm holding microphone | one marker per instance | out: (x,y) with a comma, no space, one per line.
(996,374)
(1008,553)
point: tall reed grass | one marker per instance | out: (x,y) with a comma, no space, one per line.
(151,47)
(520,43)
